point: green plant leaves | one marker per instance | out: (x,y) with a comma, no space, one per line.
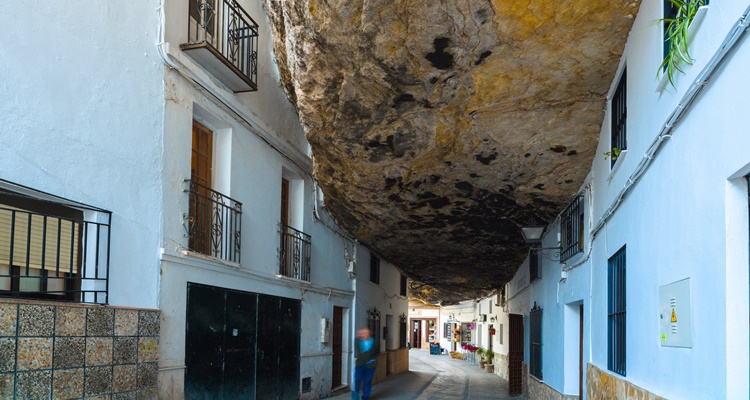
(676,34)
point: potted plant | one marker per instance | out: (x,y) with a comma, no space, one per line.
(481,354)
(677,34)
(489,355)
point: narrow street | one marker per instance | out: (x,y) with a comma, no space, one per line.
(439,377)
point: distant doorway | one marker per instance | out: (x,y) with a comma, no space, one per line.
(337,343)
(416,334)
(515,354)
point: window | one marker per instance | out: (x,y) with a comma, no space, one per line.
(403,285)
(619,113)
(295,246)
(374,268)
(535,342)
(670,11)
(202,13)
(214,219)
(571,226)
(46,245)
(616,340)
(200,173)
(534,271)
(373,323)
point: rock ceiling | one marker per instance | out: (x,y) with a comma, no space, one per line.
(439,127)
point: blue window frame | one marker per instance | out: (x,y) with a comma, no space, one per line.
(535,342)
(619,114)
(616,321)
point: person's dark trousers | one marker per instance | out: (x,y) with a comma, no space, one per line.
(363,376)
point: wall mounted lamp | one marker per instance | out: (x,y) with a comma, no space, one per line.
(532,235)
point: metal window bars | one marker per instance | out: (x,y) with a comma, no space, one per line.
(294,253)
(616,307)
(213,223)
(571,229)
(535,342)
(47,256)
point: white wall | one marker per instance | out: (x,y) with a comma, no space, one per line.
(676,222)
(82,115)
(253,148)
(686,217)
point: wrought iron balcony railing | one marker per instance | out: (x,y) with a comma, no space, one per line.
(294,253)
(51,257)
(223,38)
(214,223)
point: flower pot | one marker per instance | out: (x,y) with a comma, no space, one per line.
(481,363)
(489,367)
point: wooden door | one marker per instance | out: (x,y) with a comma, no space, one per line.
(337,344)
(284,218)
(515,355)
(200,201)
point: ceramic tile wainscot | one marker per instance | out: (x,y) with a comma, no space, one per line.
(63,350)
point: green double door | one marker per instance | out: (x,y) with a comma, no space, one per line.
(241,345)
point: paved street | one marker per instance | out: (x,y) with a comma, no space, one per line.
(439,377)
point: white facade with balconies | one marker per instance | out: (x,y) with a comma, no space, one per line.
(210,187)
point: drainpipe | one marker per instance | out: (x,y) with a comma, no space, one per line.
(733,37)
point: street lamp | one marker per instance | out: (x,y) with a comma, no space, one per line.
(532,235)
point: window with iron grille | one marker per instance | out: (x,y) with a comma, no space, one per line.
(374,325)
(52,248)
(403,285)
(571,227)
(534,271)
(535,342)
(616,340)
(619,113)
(374,268)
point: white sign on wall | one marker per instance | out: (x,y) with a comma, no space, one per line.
(675,323)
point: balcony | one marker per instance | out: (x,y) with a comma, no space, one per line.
(294,253)
(223,39)
(52,248)
(214,223)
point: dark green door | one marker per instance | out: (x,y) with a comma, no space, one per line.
(204,342)
(278,348)
(234,339)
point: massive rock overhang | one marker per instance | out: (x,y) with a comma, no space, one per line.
(438,128)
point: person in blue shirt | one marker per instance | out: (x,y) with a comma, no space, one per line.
(364,351)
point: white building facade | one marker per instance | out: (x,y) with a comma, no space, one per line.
(648,293)
(169,118)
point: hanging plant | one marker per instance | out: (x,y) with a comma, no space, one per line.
(676,34)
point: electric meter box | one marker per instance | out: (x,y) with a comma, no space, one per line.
(675,323)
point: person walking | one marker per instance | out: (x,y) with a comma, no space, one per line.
(364,352)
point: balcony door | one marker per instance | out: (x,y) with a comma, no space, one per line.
(200,205)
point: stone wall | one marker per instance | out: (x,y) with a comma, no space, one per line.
(603,385)
(501,365)
(62,351)
(538,390)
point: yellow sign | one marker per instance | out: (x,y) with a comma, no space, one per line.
(674,316)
